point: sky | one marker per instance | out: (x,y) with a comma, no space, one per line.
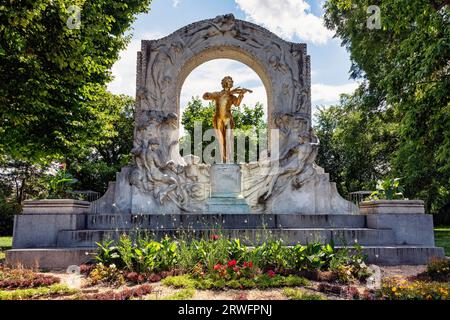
(292,20)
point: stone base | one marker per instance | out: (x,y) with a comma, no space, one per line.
(41,230)
(227,205)
(392,207)
(402,255)
(226,187)
(59,206)
(387,239)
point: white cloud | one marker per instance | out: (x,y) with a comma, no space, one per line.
(287,18)
(175,3)
(124,70)
(208,76)
(324,94)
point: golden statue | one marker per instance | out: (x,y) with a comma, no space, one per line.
(223,122)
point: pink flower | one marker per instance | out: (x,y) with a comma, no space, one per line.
(217,266)
(214,237)
(62,166)
(271,273)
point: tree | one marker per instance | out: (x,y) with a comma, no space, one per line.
(52,75)
(245,119)
(405,67)
(95,166)
(355,146)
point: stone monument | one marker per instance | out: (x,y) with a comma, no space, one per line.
(285,192)
(161,181)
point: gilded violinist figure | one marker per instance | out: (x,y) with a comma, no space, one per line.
(223,122)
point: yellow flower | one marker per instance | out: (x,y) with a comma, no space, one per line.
(394,289)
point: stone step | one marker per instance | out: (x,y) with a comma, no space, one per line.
(62,258)
(340,236)
(401,255)
(223,221)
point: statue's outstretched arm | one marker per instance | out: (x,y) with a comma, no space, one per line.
(210,95)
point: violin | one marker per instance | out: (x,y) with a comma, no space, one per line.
(240,90)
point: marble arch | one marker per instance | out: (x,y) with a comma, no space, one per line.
(161,181)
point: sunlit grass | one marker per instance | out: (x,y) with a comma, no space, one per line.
(442,238)
(35,293)
(5,242)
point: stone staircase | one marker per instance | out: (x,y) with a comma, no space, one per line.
(383,245)
(252,229)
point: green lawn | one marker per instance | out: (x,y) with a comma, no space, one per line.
(5,244)
(442,237)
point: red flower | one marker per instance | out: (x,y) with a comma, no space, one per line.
(250,264)
(214,237)
(217,266)
(232,263)
(236,269)
(271,273)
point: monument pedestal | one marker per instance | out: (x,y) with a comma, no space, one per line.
(226,187)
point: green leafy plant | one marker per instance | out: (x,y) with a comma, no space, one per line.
(219,259)
(438,269)
(388,189)
(108,253)
(60,184)
(107,274)
(272,254)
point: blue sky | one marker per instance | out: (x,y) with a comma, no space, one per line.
(292,20)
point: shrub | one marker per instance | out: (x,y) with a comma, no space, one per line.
(231,270)
(438,269)
(8,208)
(107,274)
(272,254)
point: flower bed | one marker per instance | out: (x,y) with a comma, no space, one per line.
(400,289)
(224,262)
(24,278)
(125,294)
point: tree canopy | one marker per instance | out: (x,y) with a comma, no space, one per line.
(405,73)
(53,72)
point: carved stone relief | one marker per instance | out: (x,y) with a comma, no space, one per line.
(161,178)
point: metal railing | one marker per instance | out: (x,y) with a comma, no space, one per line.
(86,195)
